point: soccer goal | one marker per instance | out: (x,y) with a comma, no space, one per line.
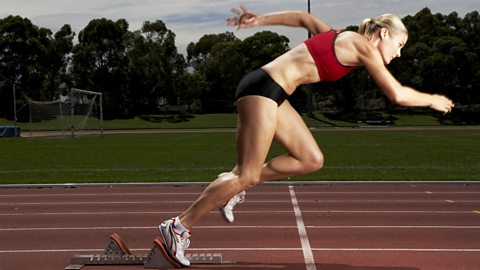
(79,112)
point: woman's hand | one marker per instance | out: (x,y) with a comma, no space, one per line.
(245,18)
(441,103)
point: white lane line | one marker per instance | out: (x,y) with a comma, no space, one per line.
(50,251)
(76,228)
(142,228)
(95,203)
(239,227)
(92,251)
(123,194)
(113,194)
(244,212)
(302,232)
(345,249)
(251,201)
(400,249)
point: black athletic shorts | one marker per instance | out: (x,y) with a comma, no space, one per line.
(259,83)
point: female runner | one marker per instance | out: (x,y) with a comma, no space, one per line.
(264,113)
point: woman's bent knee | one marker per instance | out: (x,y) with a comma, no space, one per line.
(249,181)
(314,162)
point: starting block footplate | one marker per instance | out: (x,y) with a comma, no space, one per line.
(117,253)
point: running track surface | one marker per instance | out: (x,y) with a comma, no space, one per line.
(330,227)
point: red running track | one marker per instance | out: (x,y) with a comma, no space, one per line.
(328,227)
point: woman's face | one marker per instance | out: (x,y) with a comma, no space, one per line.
(391,44)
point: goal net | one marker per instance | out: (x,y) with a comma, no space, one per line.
(79,112)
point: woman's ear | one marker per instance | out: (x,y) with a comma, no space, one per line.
(383,33)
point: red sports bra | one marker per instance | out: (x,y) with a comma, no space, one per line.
(322,49)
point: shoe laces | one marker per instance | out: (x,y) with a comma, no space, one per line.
(183,241)
(182,238)
(237,199)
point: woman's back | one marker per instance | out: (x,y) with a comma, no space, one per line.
(320,58)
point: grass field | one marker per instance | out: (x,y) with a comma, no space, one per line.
(214,121)
(352,154)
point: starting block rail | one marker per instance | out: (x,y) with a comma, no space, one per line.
(117,253)
(102,259)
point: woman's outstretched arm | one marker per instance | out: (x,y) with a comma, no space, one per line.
(247,19)
(396,92)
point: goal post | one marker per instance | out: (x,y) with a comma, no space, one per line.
(80,98)
(78,111)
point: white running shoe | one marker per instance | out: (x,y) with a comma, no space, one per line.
(227,209)
(175,244)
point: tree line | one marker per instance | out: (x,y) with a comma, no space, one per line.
(141,72)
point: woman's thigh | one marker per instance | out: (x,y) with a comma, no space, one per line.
(293,134)
(257,121)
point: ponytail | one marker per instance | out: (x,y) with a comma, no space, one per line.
(389,21)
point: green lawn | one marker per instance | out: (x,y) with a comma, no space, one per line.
(356,154)
(224,120)
(140,122)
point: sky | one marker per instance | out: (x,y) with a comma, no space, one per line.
(191,19)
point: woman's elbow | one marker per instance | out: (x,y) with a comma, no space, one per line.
(398,98)
(303,19)
(308,22)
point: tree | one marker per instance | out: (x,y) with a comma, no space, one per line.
(470,27)
(223,60)
(156,67)
(262,48)
(23,55)
(138,71)
(215,61)
(224,69)
(440,56)
(192,86)
(100,63)
(58,60)
(198,53)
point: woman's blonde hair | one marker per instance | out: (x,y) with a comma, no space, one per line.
(389,21)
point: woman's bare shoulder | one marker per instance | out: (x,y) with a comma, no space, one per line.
(351,48)
(353,38)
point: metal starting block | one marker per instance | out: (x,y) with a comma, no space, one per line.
(117,253)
